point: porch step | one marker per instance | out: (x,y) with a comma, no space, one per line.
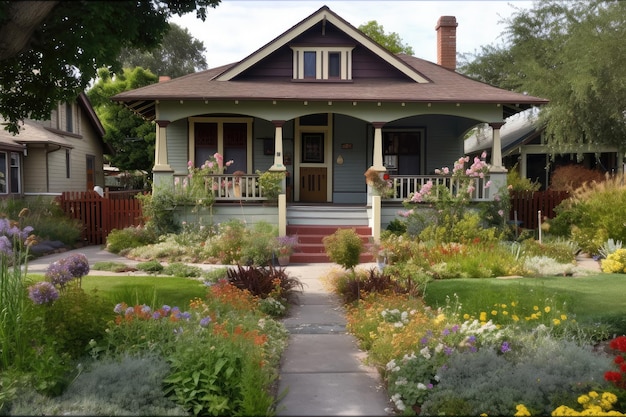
(310,248)
(331,215)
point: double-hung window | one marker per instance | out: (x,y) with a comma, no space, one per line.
(322,63)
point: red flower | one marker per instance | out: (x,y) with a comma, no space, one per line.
(619,359)
(619,343)
(612,376)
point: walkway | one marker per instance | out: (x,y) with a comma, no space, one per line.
(323,373)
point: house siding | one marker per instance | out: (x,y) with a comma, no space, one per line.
(178,146)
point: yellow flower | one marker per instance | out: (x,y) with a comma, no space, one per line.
(547,309)
(514,317)
(593,394)
(483,316)
(505,313)
(466,316)
(610,397)
(535,308)
(503,306)
(513,303)
(534,316)
(521,410)
(563,317)
(494,313)
(583,399)
(556,322)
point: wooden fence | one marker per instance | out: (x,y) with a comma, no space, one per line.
(525,206)
(99,215)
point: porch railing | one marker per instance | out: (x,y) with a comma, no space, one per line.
(227,187)
(405,186)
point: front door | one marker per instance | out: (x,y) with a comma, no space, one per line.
(313,178)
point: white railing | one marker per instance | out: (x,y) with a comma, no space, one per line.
(227,187)
(404,186)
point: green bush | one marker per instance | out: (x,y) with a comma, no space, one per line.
(228,243)
(593,214)
(344,247)
(259,243)
(263,282)
(178,269)
(119,240)
(153,266)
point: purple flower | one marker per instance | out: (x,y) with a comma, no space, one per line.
(424,340)
(77,265)
(42,293)
(5,246)
(205,322)
(156,315)
(448,350)
(118,308)
(145,309)
(455,328)
(471,339)
(185,316)
(166,308)
(445,332)
(129,311)
(58,273)
(505,347)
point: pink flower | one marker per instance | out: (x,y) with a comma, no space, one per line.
(501,213)
(446,171)
(487,185)
(483,155)
(189,164)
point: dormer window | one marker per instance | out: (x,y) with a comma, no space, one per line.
(322,63)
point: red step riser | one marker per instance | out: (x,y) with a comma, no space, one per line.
(312,258)
(310,248)
(325,230)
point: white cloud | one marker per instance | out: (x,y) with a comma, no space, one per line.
(237,28)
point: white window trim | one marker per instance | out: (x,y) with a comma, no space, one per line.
(321,55)
(17,165)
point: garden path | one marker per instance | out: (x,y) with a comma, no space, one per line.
(323,371)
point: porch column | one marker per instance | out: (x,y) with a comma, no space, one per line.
(278,147)
(378,147)
(160,151)
(496,148)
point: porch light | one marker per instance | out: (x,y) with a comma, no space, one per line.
(354,103)
(236,101)
(330,103)
(378,104)
(403,104)
(306,103)
(181,102)
(274,102)
(429,104)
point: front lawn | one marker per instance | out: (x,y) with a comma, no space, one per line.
(591,299)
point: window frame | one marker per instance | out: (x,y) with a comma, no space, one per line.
(323,61)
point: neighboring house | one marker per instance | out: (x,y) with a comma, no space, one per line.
(523,144)
(64,153)
(325,102)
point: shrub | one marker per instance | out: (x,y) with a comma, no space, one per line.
(615,263)
(112,266)
(178,269)
(344,247)
(593,214)
(153,266)
(540,372)
(271,182)
(259,245)
(130,385)
(263,282)
(128,238)
(228,243)
(571,177)
(353,287)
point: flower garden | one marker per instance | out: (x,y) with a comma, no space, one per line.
(465,316)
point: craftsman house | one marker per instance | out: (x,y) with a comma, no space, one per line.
(64,153)
(325,103)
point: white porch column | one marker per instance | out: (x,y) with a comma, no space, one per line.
(160,150)
(278,147)
(378,147)
(496,148)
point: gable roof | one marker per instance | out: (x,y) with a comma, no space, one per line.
(32,132)
(423,81)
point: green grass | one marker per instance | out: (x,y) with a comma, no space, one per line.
(150,290)
(592,299)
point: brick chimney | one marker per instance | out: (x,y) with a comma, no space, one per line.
(446,41)
(164,78)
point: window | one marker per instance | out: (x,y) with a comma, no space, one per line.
(15,172)
(69,118)
(402,152)
(322,63)
(3,173)
(68,160)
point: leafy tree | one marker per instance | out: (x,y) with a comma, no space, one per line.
(132,138)
(179,54)
(571,53)
(51,52)
(392,41)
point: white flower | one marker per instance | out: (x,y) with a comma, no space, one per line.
(402,381)
(390,365)
(439,348)
(425,352)
(421,386)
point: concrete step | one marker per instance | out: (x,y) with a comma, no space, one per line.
(310,248)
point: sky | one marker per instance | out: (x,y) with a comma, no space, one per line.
(237,28)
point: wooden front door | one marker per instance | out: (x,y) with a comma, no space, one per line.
(313,182)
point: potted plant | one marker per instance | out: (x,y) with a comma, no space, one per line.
(285,247)
(271,183)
